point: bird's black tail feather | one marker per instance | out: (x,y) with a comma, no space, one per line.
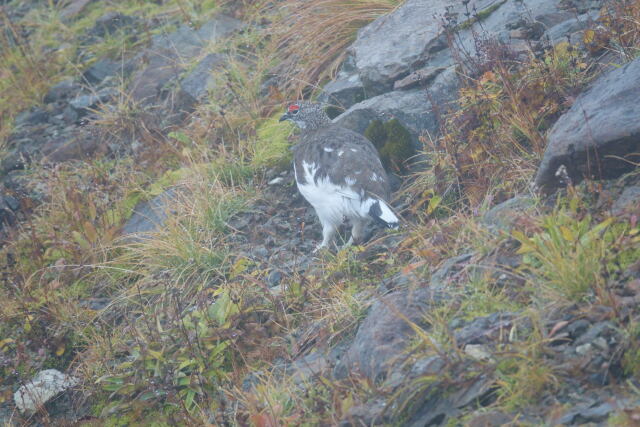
(384,218)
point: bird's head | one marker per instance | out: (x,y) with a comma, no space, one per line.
(306,115)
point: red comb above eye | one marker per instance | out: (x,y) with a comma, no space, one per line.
(293,108)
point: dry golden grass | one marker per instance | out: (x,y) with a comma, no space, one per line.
(24,73)
(309,38)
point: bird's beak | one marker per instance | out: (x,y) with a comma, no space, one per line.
(284,117)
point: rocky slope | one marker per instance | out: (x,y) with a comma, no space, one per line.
(157,252)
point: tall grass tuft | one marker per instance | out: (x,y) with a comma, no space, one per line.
(309,38)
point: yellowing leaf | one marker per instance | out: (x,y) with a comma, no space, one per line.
(519,236)
(239,267)
(525,249)
(346,404)
(433,204)
(156,354)
(573,204)
(588,36)
(5,342)
(567,234)
(186,363)
(27,323)
(60,349)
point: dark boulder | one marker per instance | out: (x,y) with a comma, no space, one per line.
(599,137)
(101,69)
(196,85)
(161,64)
(111,22)
(81,104)
(628,202)
(149,216)
(67,88)
(384,333)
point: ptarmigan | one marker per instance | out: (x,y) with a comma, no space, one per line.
(339,172)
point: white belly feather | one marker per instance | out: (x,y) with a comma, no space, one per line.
(333,203)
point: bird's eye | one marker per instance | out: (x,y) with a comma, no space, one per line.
(293,109)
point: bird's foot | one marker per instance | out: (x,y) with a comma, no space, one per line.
(349,243)
(320,248)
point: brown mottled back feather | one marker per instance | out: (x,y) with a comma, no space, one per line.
(359,165)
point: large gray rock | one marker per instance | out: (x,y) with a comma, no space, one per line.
(111,22)
(83,103)
(165,59)
(486,329)
(413,108)
(567,29)
(588,414)
(149,216)
(419,78)
(412,36)
(384,333)
(101,69)
(73,8)
(346,89)
(449,269)
(31,117)
(62,90)
(628,202)
(395,44)
(440,406)
(599,137)
(528,18)
(197,84)
(9,205)
(82,144)
(503,216)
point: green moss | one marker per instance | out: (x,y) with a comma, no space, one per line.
(480,16)
(272,145)
(333,112)
(376,133)
(398,148)
(394,143)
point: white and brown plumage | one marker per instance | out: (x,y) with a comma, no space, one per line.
(340,174)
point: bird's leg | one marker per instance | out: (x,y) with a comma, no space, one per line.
(328,231)
(357,233)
